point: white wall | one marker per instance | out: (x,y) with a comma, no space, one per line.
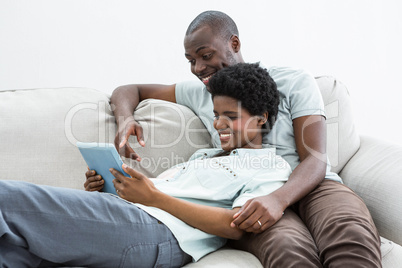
(103,44)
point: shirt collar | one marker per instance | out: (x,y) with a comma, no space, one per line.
(241,152)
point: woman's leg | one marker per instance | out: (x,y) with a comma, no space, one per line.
(288,244)
(341,226)
(79,228)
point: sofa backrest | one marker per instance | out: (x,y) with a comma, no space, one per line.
(342,138)
(39,129)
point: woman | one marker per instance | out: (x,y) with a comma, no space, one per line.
(186,213)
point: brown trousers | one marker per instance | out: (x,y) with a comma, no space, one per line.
(330,227)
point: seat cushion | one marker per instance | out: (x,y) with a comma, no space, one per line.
(227,258)
(391,254)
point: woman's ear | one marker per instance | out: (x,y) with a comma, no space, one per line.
(263,119)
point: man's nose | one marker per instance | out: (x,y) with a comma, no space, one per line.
(199,67)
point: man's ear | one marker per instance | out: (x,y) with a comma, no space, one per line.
(263,119)
(235,42)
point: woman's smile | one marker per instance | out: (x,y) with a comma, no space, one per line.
(225,137)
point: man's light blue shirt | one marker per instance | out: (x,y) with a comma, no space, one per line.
(299,96)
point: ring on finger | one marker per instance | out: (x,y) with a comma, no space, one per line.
(259,223)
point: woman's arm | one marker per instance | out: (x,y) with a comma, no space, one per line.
(213,220)
(310,137)
(140,189)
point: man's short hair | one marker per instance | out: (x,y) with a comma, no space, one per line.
(251,85)
(220,23)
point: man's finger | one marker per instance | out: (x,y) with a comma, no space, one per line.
(124,139)
(250,223)
(235,221)
(242,208)
(243,215)
(135,156)
(128,151)
(140,135)
(131,154)
(132,172)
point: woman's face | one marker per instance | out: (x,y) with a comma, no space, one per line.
(237,128)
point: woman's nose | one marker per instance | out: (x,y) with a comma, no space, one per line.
(221,123)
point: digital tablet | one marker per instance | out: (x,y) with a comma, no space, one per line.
(101,157)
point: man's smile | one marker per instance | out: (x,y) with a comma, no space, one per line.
(205,80)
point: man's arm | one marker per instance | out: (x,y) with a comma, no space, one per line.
(140,189)
(310,137)
(124,100)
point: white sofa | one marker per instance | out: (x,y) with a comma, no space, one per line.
(39,128)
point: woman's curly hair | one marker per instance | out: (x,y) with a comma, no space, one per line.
(251,85)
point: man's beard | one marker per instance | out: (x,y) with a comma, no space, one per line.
(231,59)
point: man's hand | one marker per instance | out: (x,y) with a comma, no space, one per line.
(127,128)
(93,182)
(137,189)
(266,210)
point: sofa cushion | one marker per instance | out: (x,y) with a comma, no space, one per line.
(391,257)
(227,258)
(374,173)
(391,254)
(172,133)
(342,138)
(39,129)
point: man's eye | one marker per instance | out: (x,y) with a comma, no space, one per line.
(232,118)
(216,117)
(207,56)
(191,62)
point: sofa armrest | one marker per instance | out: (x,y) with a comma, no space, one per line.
(375,174)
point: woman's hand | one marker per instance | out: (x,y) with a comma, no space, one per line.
(93,182)
(137,189)
(258,214)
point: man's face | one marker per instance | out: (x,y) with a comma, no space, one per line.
(208,53)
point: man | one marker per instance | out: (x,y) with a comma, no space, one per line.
(308,222)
